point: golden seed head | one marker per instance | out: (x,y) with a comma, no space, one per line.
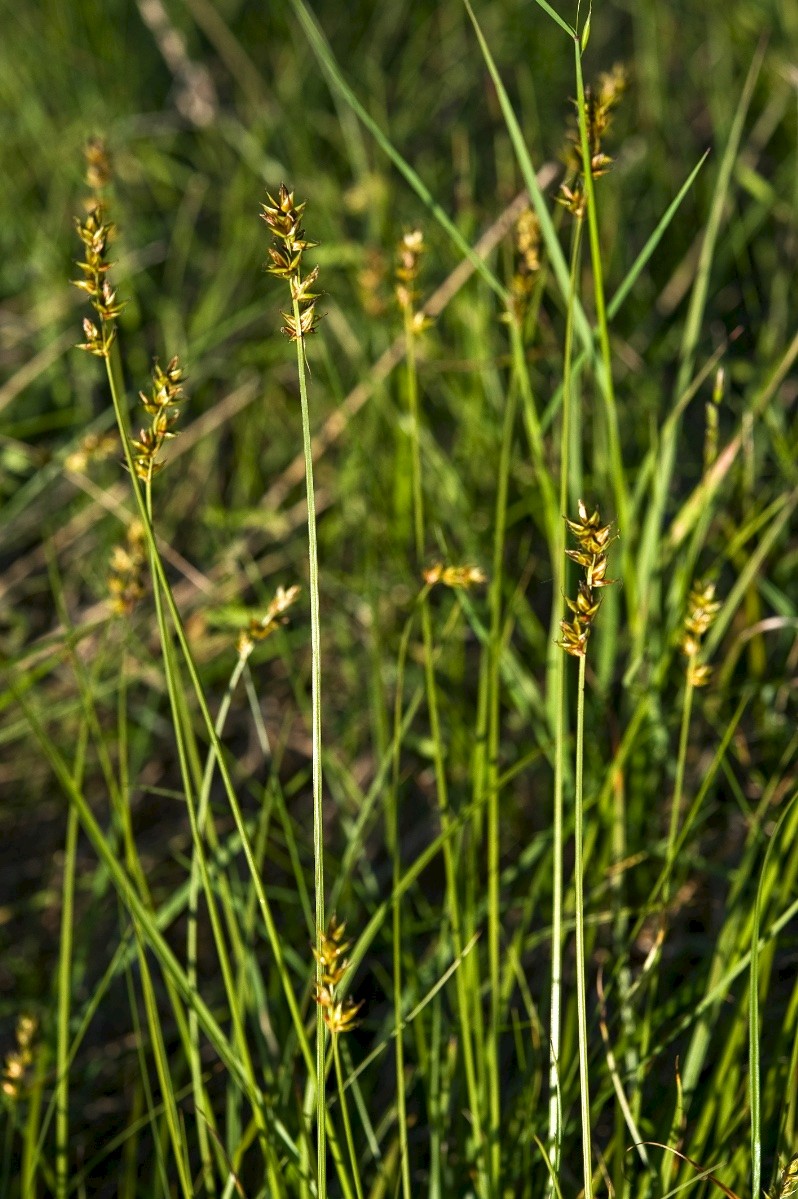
(165,392)
(788,1183)
(573,199)
(284,217)
(19,1060)
(94,447)
(593,539)
(702,608)
(126,578)
(462,577)
(339,1015)
(259,630)
(408,259)
(98,163)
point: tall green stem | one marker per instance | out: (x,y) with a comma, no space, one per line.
(493,829)
(602,322)
(579,898)
(435,732)
(318,813)
(556,687)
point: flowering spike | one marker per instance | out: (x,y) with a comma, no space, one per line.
(593,539)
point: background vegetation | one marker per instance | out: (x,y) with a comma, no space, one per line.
(438,713)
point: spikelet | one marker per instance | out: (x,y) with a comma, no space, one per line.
(284,218)
(593,540)
(339,1014)
(259,630)
(702,608)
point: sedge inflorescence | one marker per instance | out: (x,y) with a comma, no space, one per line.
(96,232)
(527,261)
(593,540)
(259,630)
(126,575)
(409,252)
(284,218)
(166,391)
(339,1014)
(20,1059)
(457,577)
(702,608)
(599,104)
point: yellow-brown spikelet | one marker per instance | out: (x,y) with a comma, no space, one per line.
(339,1014)
(19,1060)
(284,218)
(573,199)
(166,391)
(126,585)
(259,630)
(457,577)
(99,171)
(788,1183)
(409,252)
(599,104)
(527,248)
(702,608)
(95,233)
(593,539)
(94,447)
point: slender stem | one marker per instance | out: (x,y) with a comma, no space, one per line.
(557,681)
(318,812)
(117,395)
(65,985)
(493,826)
(579,898)
(678,786)
(393,840)
(350,1143)
(411,379)
(607,388)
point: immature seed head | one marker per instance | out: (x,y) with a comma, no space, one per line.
(284,217)
(527,248)
(593,539)
(409,252)
(788,1183)
(19,1060)
(126,576)
(166,391)
(339,1014)
(457,577)
(702,608)
(259,630)
(95,233)
(99,170)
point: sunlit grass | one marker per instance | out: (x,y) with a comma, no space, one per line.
(512,915)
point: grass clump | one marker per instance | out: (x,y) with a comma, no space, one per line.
(506,908)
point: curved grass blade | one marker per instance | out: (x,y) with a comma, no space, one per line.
(324,54)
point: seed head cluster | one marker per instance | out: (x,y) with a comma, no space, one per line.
(599,104)
(527,265)
(19,1060)
(126,576)
(409,252)
(166,391)
(457,577)
(339,1015)
(259,630)
(284,218)
(788,1182)
(95,233)
(702,608)
(593,540)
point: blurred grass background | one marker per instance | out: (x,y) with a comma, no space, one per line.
(204,104)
